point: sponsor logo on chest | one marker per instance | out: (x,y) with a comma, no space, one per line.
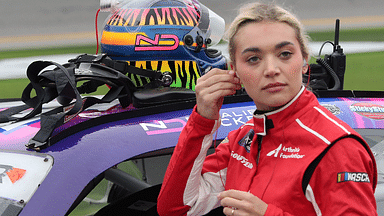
(286,152)
(242,160)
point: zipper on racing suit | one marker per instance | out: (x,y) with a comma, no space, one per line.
(259,140)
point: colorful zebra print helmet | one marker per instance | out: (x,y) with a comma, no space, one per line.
(170,36)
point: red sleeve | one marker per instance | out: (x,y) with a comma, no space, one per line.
(343,182)
(184,169)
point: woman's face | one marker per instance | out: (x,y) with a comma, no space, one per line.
(269,63)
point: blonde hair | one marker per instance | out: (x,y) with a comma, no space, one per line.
(258,12)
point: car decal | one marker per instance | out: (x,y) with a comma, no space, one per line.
(363,113)
(14,174)
(369,110)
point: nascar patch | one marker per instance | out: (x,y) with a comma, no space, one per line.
(352,176)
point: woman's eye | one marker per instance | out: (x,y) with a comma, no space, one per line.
(285,54)
(253,59)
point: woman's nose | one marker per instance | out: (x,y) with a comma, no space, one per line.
(271,68)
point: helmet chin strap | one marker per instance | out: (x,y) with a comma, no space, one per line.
(157,78)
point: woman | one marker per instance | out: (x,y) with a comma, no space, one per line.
(291,158)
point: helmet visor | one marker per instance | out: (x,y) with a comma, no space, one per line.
(216,28)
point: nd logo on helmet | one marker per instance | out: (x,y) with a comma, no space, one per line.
(167,42)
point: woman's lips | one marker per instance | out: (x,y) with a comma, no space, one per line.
(274,87)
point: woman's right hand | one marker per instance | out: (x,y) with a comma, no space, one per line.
(211,90)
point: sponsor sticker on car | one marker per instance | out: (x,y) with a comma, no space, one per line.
(22,173)
(369,110)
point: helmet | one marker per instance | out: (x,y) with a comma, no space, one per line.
(165,35)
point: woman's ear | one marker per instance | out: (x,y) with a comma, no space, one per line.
(232,66)
(305,65)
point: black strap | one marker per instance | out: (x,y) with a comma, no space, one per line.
(125,68)
(60,83)
(43,95)
(65,85)
(120,88)
(311,168)
(57,117)
(6,115)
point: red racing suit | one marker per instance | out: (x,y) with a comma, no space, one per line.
(299,159)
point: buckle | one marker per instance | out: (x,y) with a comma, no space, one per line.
(99,57)
(77,59)
(37,145)
(166,78)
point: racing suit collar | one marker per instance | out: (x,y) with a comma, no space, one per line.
(268,120)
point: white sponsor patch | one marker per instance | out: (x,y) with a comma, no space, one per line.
(286,152)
